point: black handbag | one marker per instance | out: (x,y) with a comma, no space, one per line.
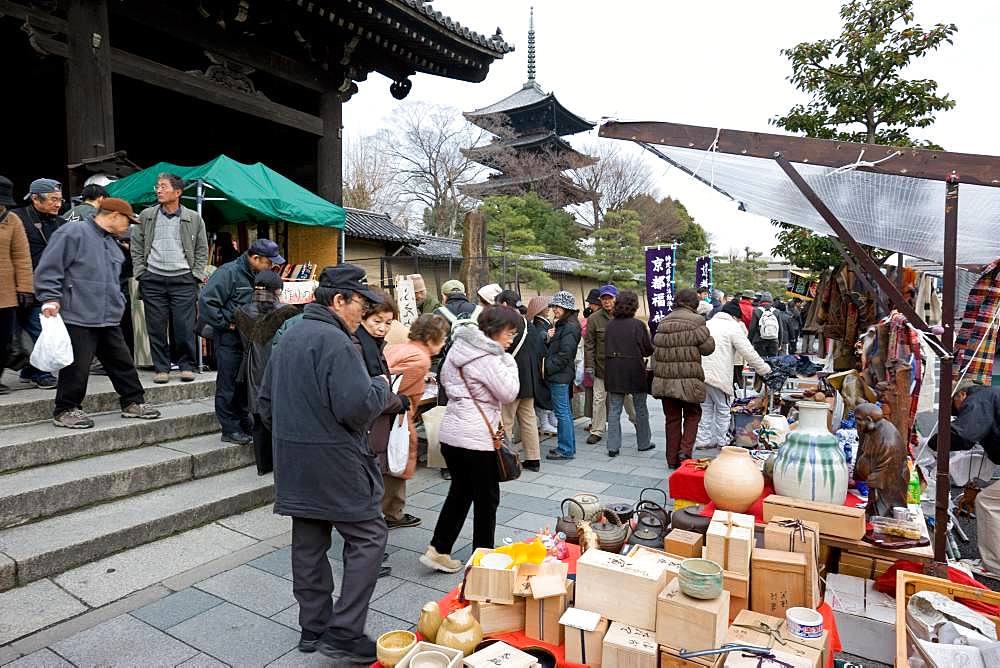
(508,463)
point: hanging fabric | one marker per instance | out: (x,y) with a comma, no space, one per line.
(928,301)
(975,344)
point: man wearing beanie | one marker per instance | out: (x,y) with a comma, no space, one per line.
(426,302)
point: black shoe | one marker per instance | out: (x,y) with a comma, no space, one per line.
(556,455)
(446,474)
(239,438)
(612,453)
(532,465)
(384,571)
(407,520)
(308,641)
(593,438)
(652,447)
(46,382)
(349,652)
(385,557)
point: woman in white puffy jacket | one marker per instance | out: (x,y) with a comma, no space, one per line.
(731,343)
(479,377)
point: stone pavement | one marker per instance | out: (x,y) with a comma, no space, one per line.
(221,594)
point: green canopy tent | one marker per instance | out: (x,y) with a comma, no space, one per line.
(239,193)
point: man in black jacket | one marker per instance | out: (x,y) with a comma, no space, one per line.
(977,420)
(230,287)
(319,401)
(41,220)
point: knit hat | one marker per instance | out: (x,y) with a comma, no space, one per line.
(564,300)
(594,296)
(6,190)
(766,297)
(733,309)
(748,294)
(488,293)
(418,283)
(536,305)
(451,286)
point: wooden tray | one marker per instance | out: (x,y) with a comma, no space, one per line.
(907,584)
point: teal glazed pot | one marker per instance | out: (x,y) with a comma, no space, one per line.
(700,578)
(811,465)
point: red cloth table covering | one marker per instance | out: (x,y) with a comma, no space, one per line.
(688,483)
(449,603)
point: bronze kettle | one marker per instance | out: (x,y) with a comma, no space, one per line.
(610,535)
(649,530)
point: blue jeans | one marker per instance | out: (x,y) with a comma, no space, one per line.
(642,436)
(566,437)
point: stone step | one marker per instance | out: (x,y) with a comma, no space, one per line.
(26,403)
(33,551)
(43,491)
(24,446)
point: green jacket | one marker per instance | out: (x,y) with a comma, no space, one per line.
(593,342)
(430,304)
(193,239)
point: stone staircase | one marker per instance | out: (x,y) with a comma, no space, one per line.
(70,497)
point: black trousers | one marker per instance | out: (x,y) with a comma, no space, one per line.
(473,481)
(170,302)
(7,317)
(312,576)
(109,347)
(263,454)
(231,406)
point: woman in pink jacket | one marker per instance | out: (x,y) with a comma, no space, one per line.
(479,378)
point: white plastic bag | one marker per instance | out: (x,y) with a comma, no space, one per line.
(53,349)
(398,453)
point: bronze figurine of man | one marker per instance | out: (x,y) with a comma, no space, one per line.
(881,461)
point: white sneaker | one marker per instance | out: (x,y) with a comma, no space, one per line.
(440,562)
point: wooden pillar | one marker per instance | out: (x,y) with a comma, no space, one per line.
(330,156)
(475,269)
(90,124)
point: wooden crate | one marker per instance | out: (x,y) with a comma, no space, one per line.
(499,617)
(586,647)
(833,520)
(489,585)
(629,647)
(669,562)
(744,631)
(683,543)
(805,542)
(619,587)
(541,616)
(670,659)
(689,623)
(908,584)
(777,582)
(730,546)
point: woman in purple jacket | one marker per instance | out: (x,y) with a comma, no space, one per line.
(479,377)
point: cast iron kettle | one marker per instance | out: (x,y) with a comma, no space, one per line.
(567,524)
(660,510)
(610,535)
(649,530)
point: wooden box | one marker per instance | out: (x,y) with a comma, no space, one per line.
(670,562)
(489,585)
(550,573)
(619,587)
(802,536)
(499,617)
(455,656)
(541,616)
(670,659)
(629,647)
(804,655)
(683,543)
(500,654)
(856,565)
(735,519)
(737,584)
(778,582)
(736,606)
(685,623)
(584,632)
(833,520)
(730,546)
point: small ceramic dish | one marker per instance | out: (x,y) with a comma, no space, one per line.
(804,622)
(496,561)
(429,659)
(700,578)
(391,647)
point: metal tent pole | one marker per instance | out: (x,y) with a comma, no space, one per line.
(943,486)
(199,200)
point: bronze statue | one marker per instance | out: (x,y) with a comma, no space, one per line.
(881,461)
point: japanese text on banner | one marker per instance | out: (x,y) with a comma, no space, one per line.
(660,281)
(703,272)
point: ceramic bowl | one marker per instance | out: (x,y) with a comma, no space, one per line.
(546,659)
(804,622)
(700,578)
(429,659)
(391,647)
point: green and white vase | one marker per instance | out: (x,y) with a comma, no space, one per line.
(810,465)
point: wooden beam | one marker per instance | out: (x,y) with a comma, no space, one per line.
(330,149)
(983,170)
(165,20)
(90,128)
(151,72)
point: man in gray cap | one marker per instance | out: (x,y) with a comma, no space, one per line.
(319,401)
(41,219)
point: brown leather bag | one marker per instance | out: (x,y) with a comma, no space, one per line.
(508,463)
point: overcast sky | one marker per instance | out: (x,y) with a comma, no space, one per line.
(713,63)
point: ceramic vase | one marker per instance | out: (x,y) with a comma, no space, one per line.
(733,480)
(461,631)
(429,621)
(810,465)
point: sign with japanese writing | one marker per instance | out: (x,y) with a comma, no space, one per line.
(703,272)
(660,283)
(406,301)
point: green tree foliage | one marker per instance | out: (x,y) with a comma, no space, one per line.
(735,273)
(510,237)
(618,254)
(556,231)
(665,221)
(858,93)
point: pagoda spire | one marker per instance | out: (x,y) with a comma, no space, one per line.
(531,46)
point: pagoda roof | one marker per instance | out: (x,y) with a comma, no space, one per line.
(515,185)
(568,157)
(518,106)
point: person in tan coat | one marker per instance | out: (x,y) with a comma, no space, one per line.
(681,340)
(15,270)
(411,360)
